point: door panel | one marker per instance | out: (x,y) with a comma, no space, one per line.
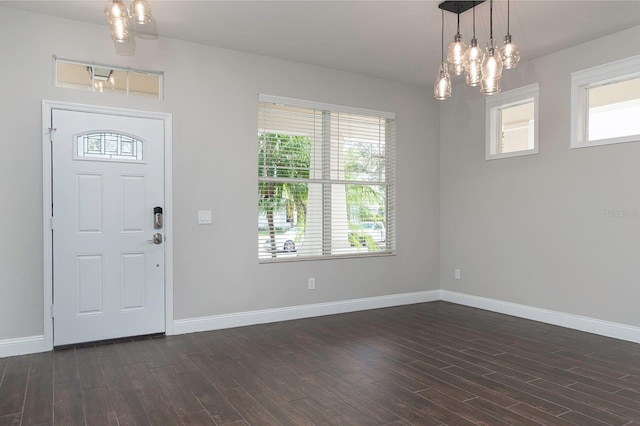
(89,202)
(132,203)
(89,283)
(133,277)
(108,175)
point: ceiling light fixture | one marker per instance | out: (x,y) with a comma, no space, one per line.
(509,51)
(119,17)
(480,68)
(455,53)
(442,86)
(473,58)
(492,63)
(141,12)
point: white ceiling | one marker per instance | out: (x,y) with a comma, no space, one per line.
(398,40)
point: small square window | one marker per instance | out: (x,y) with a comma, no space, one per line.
(605,104)
(512,123)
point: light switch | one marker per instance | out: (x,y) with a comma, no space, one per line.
(205,217)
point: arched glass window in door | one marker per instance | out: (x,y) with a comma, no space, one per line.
(109,146)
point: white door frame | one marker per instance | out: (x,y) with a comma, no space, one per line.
(47,107)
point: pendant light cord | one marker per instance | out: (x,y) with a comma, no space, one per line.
(508,16)
(442,39)
(474,19)
(490,18)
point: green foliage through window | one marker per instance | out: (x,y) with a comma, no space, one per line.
(325,183)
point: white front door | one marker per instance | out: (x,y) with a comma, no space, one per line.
(108,272)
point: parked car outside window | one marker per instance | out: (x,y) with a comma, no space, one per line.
(286,242)
(371,234)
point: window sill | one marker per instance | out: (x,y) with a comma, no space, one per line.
(610,141)
(511,154)
(265,261)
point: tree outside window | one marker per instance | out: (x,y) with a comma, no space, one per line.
(324,183)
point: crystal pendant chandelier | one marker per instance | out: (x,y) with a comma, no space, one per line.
(442,86)
(509,51)
(480,68)
(456,51)
(492,63)
(119,17)
(491,70)
(141,12)
(473,59)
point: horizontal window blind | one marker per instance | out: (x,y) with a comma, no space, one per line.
(325,181)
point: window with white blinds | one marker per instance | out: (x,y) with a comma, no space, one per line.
(325,181)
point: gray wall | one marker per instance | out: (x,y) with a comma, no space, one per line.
(531,230)
(212,94)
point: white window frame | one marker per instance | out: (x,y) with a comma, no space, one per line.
(390,181)
(128,93)
(581,82)
(493,127)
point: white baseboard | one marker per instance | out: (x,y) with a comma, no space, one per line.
(576,322)
(22,346)
(239,319)
(34,344)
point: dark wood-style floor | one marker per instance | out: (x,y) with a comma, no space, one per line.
(427,364)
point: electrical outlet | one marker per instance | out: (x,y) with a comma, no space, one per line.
(457,274)
(312,283)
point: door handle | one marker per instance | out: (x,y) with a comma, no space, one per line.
(157,239)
